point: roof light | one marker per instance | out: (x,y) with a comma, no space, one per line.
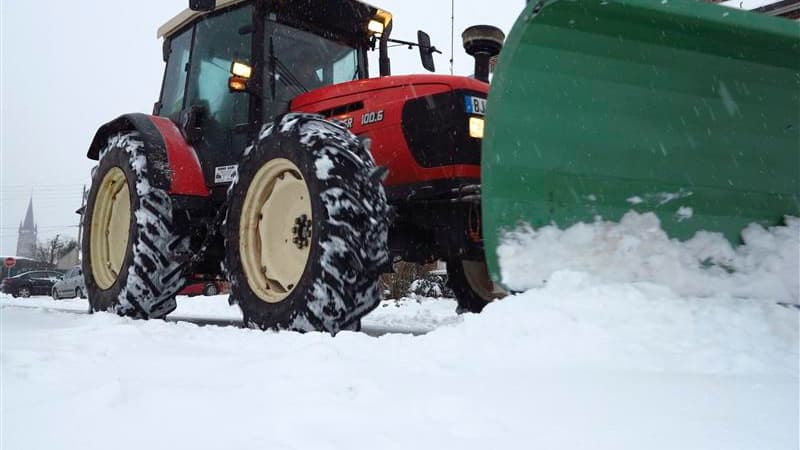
(378,24)
(375,27)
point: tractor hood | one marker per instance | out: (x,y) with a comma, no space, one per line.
(345,90)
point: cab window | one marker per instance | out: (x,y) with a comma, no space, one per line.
(299,61)
(217,43)
(175,75)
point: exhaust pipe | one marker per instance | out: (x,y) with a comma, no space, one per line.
(483,42)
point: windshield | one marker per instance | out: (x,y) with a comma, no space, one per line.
(299,61)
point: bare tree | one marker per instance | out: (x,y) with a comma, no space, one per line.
(53,249)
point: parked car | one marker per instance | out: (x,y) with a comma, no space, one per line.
(37,282)
(70,286)
(214,287)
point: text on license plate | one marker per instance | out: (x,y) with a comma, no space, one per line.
(475,105)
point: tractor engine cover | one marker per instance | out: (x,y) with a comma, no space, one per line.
(418,126)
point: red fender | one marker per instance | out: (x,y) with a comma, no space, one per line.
(165,147)
(187,174)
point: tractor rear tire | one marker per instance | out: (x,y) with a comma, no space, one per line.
(470,281)
(307,226)
(133,248)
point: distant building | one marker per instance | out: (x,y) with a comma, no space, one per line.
(69,260)
(28,234)
(789,9)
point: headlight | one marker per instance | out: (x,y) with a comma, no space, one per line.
(476,127)
(241,70)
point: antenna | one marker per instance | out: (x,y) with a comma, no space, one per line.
(452,33)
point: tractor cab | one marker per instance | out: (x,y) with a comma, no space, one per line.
(272,50)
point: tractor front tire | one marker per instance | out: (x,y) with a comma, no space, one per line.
(307,226)
(132,245)
(471,284)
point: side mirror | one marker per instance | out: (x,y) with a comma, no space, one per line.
(191,123)
(202,5)
(426,51)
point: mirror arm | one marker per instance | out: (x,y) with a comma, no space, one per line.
(383,60)
(429,48)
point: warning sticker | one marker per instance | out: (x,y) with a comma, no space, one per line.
(225,174)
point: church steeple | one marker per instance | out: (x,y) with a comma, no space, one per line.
(26,240)
(28,224)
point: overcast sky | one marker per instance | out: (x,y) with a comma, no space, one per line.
(69,66)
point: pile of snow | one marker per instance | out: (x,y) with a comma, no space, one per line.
(413,315)
(575,321)
(636,249)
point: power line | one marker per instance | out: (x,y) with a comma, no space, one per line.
(42,227)
(40,197)
(28,186)
(42,190)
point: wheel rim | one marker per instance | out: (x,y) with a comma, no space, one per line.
(110,228)
(211,290)
(275,230)
(477,276)
(24,292)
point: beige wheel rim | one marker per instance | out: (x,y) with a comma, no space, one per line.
(477,276)
(111,221)
(275,232)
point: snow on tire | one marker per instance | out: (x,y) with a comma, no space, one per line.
(133,246)
(306,230)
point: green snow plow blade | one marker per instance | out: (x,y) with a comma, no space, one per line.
(686,109)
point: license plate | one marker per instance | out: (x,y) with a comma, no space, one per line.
(475,105)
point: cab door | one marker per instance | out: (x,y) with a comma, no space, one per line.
(221,116)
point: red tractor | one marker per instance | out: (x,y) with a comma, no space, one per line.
(272,158)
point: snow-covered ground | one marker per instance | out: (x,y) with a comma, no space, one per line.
(583,360)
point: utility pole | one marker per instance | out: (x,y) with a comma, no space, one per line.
(80,222)
(452,33)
